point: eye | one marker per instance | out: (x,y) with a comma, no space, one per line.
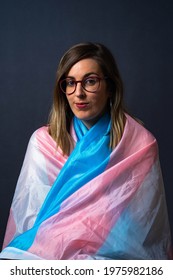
(70,82)
(91,81)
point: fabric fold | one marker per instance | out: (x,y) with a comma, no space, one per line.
(103,204)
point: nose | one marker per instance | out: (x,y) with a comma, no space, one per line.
(79,90)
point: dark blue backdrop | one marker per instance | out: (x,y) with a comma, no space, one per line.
(34,35)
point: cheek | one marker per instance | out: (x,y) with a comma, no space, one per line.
(101,102)
(69,100)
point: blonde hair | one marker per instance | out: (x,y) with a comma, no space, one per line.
(61,114)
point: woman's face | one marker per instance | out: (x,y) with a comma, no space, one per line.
(87,106)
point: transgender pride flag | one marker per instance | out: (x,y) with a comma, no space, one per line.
(94,204)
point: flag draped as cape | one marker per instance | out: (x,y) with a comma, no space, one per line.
(94,204)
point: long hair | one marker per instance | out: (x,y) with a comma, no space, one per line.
(61,114)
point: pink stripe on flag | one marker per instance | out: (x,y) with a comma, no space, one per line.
(53,156)
(86,218)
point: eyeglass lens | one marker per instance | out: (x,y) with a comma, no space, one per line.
(90,84)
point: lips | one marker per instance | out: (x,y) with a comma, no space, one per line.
(81,105)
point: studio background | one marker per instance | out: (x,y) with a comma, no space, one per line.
(34,35)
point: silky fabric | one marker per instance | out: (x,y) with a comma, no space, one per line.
(103,204)
(88,159)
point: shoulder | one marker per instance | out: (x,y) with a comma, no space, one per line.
(41,136)
(137,137)
(137,131)
(42,132)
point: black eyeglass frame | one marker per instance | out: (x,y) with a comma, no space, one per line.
(82,82)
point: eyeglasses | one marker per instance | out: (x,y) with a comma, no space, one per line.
(90,84)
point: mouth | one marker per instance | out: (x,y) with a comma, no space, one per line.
(81,105)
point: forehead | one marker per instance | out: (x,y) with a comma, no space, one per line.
(84,67)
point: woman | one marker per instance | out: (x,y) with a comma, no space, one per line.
(90,186)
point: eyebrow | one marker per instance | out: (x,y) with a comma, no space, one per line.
(86,75)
